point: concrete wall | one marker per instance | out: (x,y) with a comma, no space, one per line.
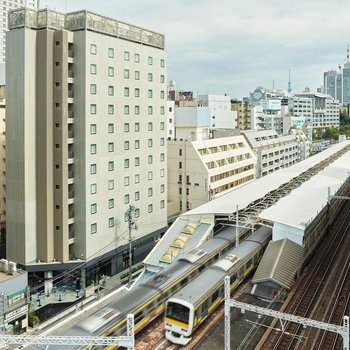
(2,158)
(21,200)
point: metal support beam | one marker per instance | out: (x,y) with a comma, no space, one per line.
(227,314)
(130,330)
(330,197)
(125,341)
(343,331)
(237,234)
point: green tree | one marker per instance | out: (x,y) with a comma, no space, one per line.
(33,319)
(331,134)
(344,117)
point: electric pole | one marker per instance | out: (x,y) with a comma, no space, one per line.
(131,219)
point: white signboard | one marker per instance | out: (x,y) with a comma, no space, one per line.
(16,313)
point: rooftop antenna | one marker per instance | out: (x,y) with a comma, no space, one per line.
(289,84)
(347,54)
(273,84)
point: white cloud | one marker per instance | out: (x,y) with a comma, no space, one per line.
(233,46)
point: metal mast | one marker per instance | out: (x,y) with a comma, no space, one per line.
(131,218)
(127,341)
(343,331)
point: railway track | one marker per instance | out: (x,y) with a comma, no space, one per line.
(336,311)
(153,337)
(332,260)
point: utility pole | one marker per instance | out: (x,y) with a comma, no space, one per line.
(237,233)
(131,220)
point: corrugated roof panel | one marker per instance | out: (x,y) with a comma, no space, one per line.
(280,263)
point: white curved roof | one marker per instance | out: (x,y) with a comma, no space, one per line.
(303,204)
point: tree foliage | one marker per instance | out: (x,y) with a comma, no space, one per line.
(33,319)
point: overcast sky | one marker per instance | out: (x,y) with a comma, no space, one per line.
(233,46)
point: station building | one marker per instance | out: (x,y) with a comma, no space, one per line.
(298,203)
(13,298)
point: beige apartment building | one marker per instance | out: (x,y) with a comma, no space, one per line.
(86,138)
(244,114)
(201,170)
(273,151)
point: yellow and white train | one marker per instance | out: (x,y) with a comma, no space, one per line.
(191,305)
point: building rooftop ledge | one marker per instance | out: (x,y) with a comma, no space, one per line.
(83,20)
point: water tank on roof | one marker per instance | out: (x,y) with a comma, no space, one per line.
(4,265)
(12,268)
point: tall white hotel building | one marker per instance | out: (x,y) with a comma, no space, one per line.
(6,6)
(86,138)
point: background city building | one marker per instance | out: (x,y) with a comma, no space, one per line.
(244,114)
(273,151)
(6,6)
(337,82)
(333,84)
(323,109)
(221,114)
(201,170)
(86,138)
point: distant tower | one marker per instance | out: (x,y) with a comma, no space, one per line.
(289,84)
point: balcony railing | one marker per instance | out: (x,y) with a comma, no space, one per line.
(83,20)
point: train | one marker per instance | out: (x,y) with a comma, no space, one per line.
(147,300)
(191,305)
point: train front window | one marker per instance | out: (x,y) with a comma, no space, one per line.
(178,312)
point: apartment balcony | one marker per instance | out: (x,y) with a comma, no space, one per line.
(70,221)
(70,152)
(70,197)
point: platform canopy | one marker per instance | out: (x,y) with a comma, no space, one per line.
(294,212)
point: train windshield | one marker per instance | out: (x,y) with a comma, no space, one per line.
(178,312)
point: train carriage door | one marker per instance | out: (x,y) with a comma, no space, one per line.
(204,308)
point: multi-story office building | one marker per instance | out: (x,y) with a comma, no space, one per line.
(2,159)
(322,109)
(222,115)
(201,170)
(86,138)
(6,6)
(337,83)
(332,82)
(273,151)
(244,114)
(346,82)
